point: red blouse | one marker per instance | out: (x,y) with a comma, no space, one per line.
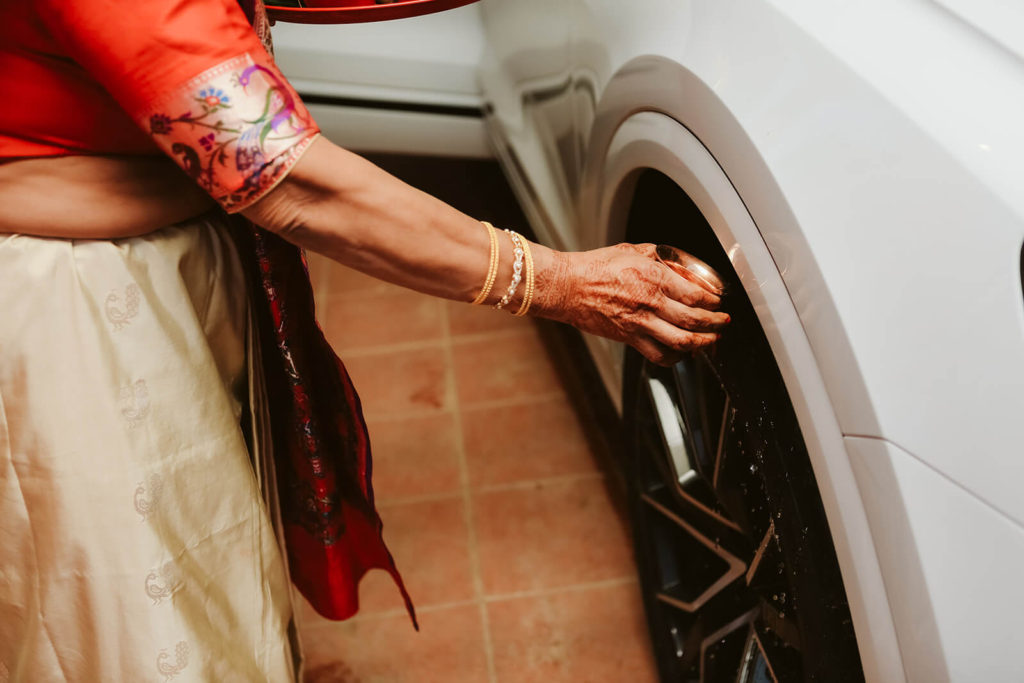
(188,77)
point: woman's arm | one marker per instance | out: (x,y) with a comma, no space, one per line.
(195,77)
(336,203)
(340,205)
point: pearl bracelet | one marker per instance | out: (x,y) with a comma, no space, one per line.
(517,270)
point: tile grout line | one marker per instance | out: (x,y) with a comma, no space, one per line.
(533,399)
(467,498)
(540,482)
(397,612)
(391,612)
(497,597)
(446,337)
(476,405)
(383,503)
(571,588)
(525,484)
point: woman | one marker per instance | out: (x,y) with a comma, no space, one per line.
(168,428)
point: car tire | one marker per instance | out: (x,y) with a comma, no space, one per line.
(738,572)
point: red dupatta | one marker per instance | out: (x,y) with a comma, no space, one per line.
(321,446)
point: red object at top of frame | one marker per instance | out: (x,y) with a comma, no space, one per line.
(358,11)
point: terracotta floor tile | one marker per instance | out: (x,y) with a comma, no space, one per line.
(550,535)
(318,269)
(388,317)
(448,649)
(502,367)
(344,281)
(596,635)
(525,442)
(401,382)
(465,319)
(414,456)
(430,544)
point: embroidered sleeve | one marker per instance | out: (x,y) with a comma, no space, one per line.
(236,129)
(194,75)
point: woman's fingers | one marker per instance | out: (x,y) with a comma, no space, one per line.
(690,318)
(676,338)
(645,249)
(677,287)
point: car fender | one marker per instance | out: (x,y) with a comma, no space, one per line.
(650,140)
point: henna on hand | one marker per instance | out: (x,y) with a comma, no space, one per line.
(623,293)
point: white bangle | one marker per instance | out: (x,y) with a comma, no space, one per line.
(517,270)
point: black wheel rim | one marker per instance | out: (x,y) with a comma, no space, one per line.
(739,576)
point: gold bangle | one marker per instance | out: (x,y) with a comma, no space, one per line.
(492,266)
(528,294)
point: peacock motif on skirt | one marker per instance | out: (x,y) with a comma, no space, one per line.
(169,667)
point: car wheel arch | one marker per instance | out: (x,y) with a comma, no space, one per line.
(646,141)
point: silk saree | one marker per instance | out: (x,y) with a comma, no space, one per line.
(176,438)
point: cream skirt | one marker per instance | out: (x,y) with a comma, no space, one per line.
(134,541)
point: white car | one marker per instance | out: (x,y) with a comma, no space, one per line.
(834,492)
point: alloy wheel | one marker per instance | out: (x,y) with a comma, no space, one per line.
(740,580)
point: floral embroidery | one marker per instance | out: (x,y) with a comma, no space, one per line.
(162,582)
(135,403)
(120,317)
(171,669)
(160,124)
(147,496)
(214,98)
(240,129)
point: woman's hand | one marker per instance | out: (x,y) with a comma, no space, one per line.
(623,293)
